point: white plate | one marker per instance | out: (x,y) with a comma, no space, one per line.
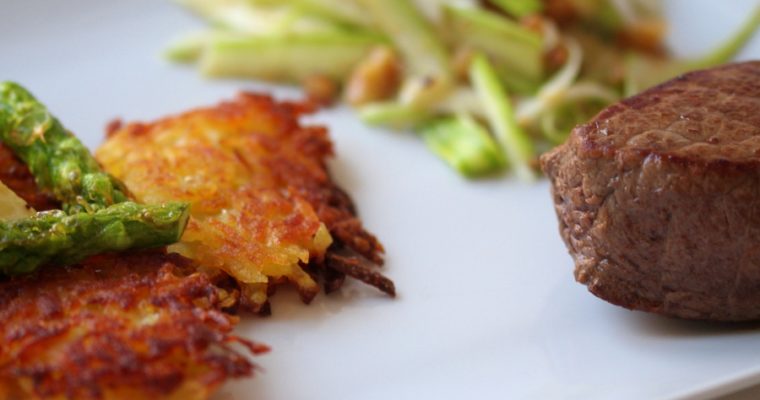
(488,307)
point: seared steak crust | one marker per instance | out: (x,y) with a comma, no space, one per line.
(658,197)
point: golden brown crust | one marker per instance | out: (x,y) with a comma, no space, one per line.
(706,119)
(127,326)
(117,326)
(259,189)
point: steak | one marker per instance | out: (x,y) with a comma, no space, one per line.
(658,197)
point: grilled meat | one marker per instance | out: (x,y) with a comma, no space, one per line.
(657,195)
(263,207)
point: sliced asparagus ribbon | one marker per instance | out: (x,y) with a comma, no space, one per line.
(465,145)
(544,66)
(514,141)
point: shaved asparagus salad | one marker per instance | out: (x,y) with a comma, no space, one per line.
(488,85)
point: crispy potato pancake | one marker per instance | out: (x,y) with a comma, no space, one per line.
(127,326)
(263,207)
(121,326)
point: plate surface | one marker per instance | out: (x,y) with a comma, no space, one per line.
(488,307)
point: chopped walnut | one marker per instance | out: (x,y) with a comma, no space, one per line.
(377,77)
(555,58)
(646,36)
(321,89)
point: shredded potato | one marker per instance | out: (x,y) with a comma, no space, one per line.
(263,207)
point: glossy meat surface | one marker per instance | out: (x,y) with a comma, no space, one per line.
(658,196)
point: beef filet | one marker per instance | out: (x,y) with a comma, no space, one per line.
(658,197)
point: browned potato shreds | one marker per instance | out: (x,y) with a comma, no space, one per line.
(128,326)
(117,327)
(263,207)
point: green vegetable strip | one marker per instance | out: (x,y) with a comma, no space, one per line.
(392,114)
(733,45)
(397,115)
(519,8)
(341,11)
(291,57)
(54,236)
(412,34)
(517,146)
(58,160)
(464,145)
(271,17)
(97,216)
(232,14)
(644,72)
(516,52)
(188,48)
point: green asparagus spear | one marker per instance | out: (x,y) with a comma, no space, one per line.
(392,114)
(465,145)
(514,141)
(57,159)
(516,51)
(188,48)
(519,8)
(413,35)
(54,236)
(285,57)
(348,13)
(271,17)
(399,115)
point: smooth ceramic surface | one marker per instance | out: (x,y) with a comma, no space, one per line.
(487,308)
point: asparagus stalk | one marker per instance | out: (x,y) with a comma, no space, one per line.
(464,145)
(517,146)
(519,8)
(349,13)
(269,17)
(413,35)
(188,48)
(516,51)
(54,236)
(398,115)
(235,15)
(292,57)
(56,158)
(429,61)
(392,114)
